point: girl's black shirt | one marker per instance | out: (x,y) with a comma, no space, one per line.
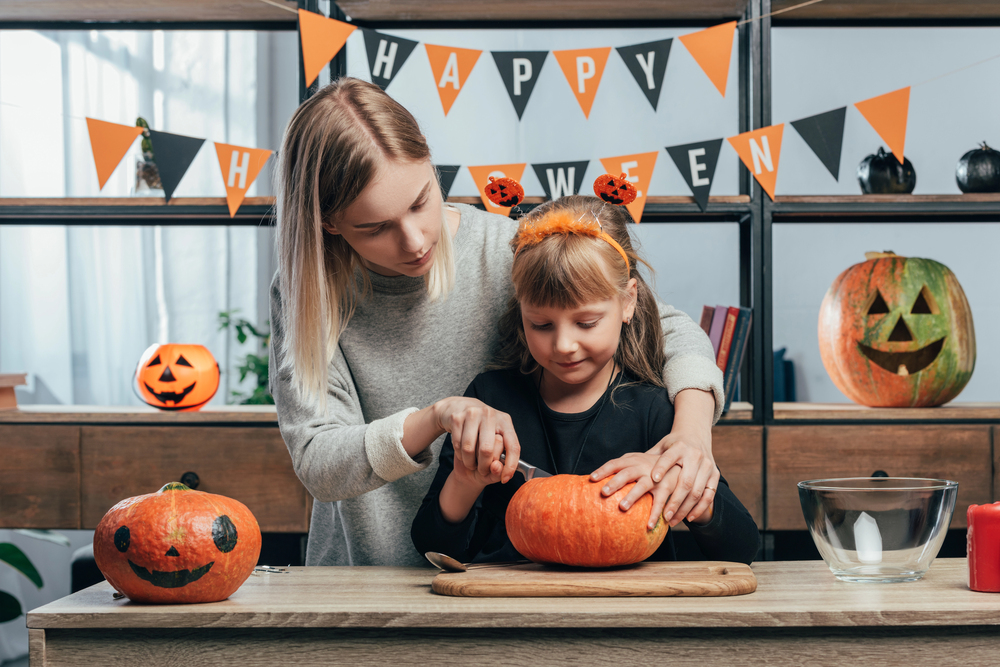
(638,417)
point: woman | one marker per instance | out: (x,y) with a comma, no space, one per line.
(385,298)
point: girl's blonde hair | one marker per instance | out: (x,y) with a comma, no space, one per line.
(567,270)
(336,142)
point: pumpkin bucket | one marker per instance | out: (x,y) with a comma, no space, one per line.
(176,377)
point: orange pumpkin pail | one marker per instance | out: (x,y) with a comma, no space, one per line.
(176,377)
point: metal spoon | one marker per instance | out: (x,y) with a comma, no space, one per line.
(449,564)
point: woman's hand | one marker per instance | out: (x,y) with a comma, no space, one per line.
(479,435)
(693,492)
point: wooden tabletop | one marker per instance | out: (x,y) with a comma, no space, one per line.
(789,594)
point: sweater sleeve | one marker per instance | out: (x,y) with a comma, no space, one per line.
(732,534)
(335,454)
(690,360)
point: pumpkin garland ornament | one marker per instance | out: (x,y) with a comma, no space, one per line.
(174,377)
(617,190)
(504,191)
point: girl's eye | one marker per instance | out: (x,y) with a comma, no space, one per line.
(589,325)
(540,327)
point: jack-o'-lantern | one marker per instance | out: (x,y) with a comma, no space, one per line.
(897,332)
(616,190)
(504,191)
(177,377)
(177,546)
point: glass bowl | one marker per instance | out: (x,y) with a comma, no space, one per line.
(878,529)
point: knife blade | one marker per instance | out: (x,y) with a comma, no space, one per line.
(529,471)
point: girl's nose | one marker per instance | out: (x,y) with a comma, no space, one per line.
(565,343)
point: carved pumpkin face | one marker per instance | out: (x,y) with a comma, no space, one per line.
(177,546)
(897,332)
(177,377)
(615,189)
(504,191)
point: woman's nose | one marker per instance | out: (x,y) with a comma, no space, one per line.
(412,238)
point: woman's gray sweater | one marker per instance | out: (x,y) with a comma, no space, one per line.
(400,352)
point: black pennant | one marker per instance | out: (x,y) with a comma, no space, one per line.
(386,55)
(558,177)
(825,135)
(446,177)
(647,62)
(519,71)
(696,163)
(173,154)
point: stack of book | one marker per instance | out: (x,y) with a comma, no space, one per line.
(728,327)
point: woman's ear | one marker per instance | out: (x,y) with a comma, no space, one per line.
(329,226)
(633,294)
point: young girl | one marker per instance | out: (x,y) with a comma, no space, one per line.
(580,380)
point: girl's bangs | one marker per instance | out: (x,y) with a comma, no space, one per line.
(563,271)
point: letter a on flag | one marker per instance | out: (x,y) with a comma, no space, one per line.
(322,39)
(638,169)
(109,142)
(481,177)
(759,150)
(887,115)
(583,69)
(712,48)
(240,167)
(451,67)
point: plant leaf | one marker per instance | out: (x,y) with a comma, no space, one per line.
(46,535)
(10,608)
(10,554)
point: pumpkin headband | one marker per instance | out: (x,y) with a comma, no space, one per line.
(563,222)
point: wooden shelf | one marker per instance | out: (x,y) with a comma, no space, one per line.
(908,208)
(862,10)
(850,412)
(171,11)
(133,211)
(257,415)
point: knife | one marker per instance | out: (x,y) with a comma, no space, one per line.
(529,471)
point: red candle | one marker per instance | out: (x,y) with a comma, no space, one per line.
(984,547)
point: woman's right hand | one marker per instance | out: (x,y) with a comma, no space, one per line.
(479,435)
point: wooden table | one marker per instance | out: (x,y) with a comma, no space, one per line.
(800,614)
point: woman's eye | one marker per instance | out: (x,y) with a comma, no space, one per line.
(418,206)
(376,231)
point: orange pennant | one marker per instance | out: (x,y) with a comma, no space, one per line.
(712,49)
(240,167)
(583,69)
(638,169)
(759,150)
(322,39)
(109,142)
(481,177)
(887,115)
(451,68)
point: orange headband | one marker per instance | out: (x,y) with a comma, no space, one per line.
(563,222)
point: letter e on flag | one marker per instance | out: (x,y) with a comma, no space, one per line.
(239,166)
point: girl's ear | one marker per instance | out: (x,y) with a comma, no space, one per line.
(633,294)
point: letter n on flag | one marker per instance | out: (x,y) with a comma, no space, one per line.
(638,169)
(451,68)
(109,142)
(322,39)
(481,177)
(240,167)
(759,150)
(583,69)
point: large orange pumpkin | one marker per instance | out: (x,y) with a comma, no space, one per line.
(177,546)
(565,519)
(897,332)
(177,377)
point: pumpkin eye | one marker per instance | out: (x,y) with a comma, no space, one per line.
(924,303)
(224,534)
(155,362)
(122,539)
(879,306)
(181,361)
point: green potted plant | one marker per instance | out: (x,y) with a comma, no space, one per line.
(252,363)
(12,555)
(147,176)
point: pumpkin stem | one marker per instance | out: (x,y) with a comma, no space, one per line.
(876,255)
(174,486)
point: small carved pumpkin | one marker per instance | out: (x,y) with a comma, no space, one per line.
(615,189)
(897,332)
(504,191)
(177,377)
(177,546)
(979,170)
(882,174)
(566,519)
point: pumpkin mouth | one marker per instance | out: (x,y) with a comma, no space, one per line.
(170,396)
(904,363)
(176,579)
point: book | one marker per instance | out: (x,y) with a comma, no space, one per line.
(706,318)
(718,322)
(727,337)
(738,347)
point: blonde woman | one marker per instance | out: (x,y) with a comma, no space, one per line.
(384,309)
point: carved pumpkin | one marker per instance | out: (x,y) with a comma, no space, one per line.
(897,332)
(177,377)
(504,191)
(979,170)
(615,189)
(565,519)
(882,174)
(177,546)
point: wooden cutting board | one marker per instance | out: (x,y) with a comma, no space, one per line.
(659,579)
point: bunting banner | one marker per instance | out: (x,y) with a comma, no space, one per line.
(322,38)
(759,151)
(887,115)
(240,166)
(638,169)
(824,134)
(446,177)
(519,71)
(712,49)
(697,163)
(481,177)
(386,55)
(451,67)
(109,142)
(173,154)
(561,178)
(647,63)
(583,69)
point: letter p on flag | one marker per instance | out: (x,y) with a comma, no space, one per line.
(239,166)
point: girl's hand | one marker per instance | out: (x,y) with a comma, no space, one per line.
(479,435)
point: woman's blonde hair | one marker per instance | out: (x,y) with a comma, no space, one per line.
(336,142)
(566,270)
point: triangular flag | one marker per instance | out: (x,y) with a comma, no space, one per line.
(561,178)
(451,67)
(760,151)
(386,55)
(824,133)
(240,167)
(638,169)
(887,115)
(109,142)
(647,63)
(583,69)
(322,38)
(481,177)
(697,163)
(519,71)
(446,177)
(173,154)
(712,49)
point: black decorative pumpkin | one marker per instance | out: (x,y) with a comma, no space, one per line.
(881,174)
(979,170)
